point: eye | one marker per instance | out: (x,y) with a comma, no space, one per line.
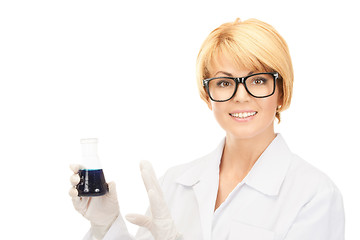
(223,83)
(258,81)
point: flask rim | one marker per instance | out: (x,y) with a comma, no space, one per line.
(88,140)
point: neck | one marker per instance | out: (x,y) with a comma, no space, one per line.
(240,154)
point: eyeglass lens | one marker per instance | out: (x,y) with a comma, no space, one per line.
(258,85)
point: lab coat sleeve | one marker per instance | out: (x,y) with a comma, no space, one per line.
(322,218)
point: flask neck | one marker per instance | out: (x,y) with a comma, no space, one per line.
(90,157)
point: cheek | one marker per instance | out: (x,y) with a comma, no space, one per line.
(216,108)
(219,111)
(269,105)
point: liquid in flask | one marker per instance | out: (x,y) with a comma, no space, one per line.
(92,180)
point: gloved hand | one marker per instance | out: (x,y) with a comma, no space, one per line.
(101,211)
(160,223)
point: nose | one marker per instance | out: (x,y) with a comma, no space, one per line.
(241,94)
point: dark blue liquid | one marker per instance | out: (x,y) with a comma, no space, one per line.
(92,183)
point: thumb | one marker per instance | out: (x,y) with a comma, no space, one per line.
(112,189)
(140,220)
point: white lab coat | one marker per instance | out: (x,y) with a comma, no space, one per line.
(282,198)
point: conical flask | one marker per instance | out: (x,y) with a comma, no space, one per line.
(92,180)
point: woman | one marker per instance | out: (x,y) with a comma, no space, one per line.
(251,186)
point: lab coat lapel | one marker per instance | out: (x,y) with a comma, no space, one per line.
(269,171)
(204,179)
(266,176)
(206,192)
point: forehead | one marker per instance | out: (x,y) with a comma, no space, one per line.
(224,64)
(238,62)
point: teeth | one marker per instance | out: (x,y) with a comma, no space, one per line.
(243,114)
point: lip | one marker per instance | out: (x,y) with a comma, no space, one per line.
(243,119)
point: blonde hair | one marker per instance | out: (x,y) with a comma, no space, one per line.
(252,44)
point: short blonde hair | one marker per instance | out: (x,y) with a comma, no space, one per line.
(252,44)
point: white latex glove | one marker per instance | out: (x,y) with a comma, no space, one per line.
(160,223)
(101,211)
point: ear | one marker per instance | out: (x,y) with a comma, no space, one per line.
(280,96)
(208,102)
(280,100)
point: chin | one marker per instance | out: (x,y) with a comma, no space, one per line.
(242,133)
(249,132)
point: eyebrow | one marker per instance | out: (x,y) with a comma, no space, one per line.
(225,73)
(229,74)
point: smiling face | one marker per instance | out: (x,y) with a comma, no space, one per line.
(243,116)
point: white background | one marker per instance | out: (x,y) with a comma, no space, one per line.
(124,72)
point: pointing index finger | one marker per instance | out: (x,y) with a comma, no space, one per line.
(149,176)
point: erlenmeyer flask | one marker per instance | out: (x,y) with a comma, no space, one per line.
(92,180)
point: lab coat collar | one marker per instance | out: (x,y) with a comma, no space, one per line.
(202,167)
(269,171)
(203,177)
(266,175)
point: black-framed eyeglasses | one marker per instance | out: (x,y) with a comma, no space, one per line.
(258,85)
